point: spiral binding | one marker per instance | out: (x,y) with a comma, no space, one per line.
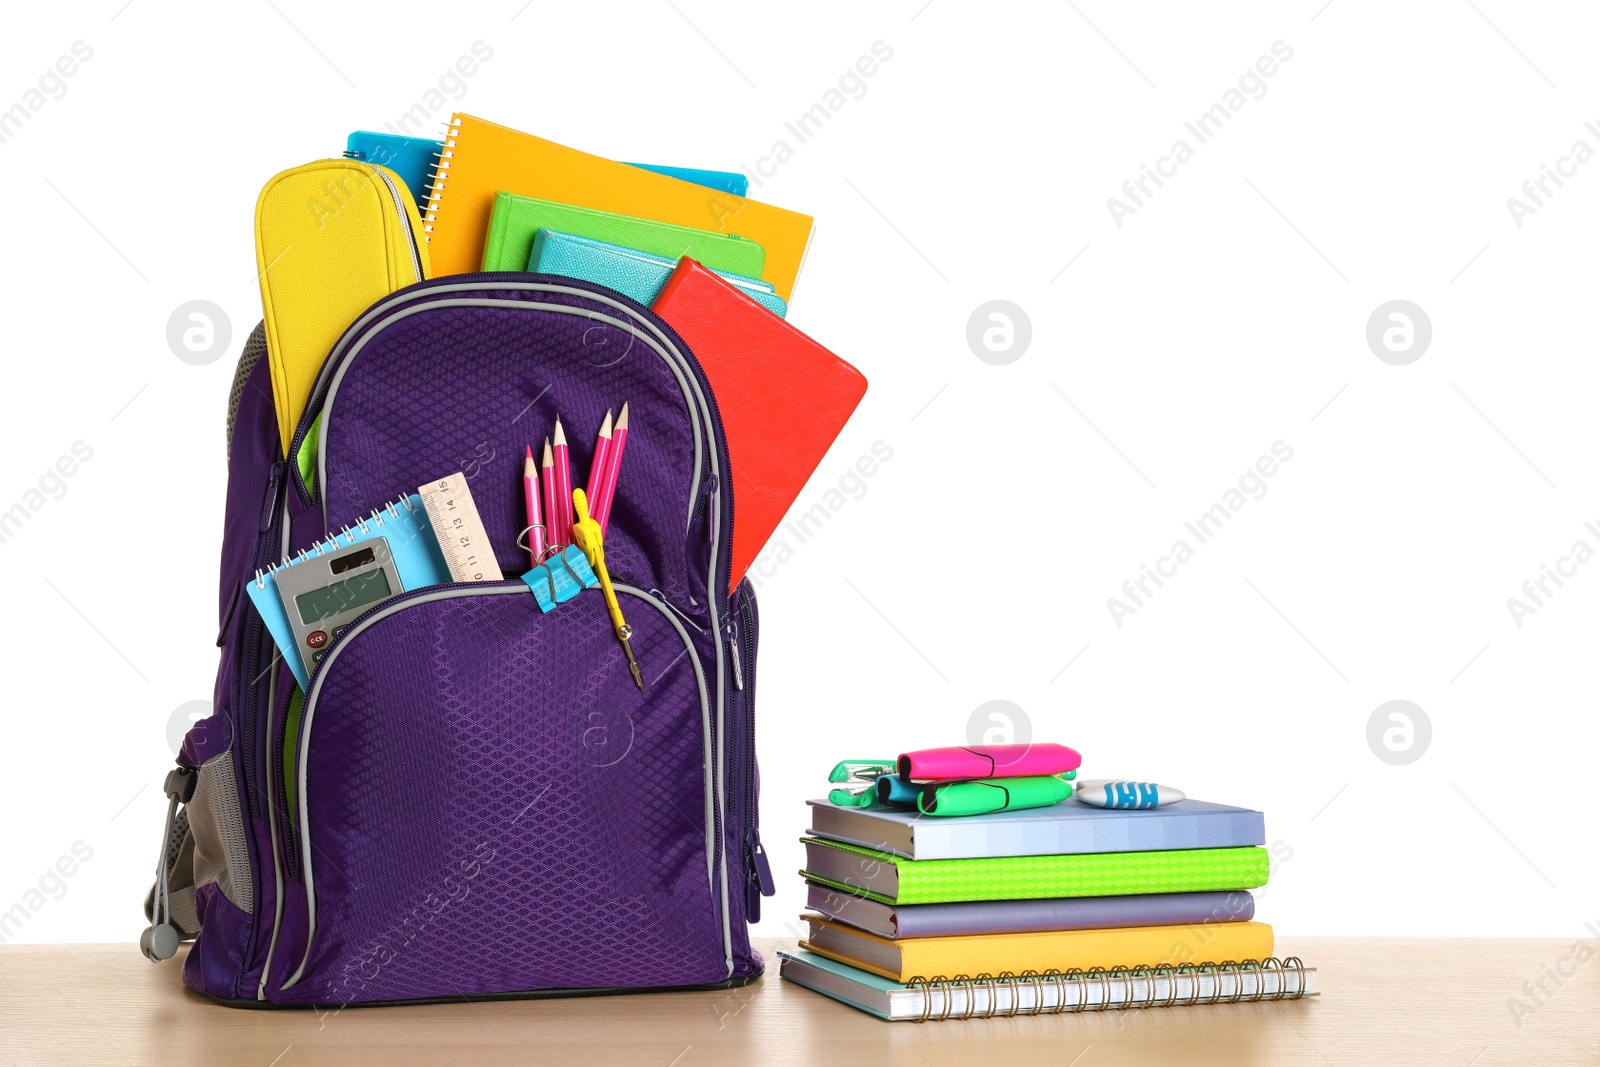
(390,510)
(440,171)
(1114,988)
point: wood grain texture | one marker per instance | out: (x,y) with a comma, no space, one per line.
(1412,1002)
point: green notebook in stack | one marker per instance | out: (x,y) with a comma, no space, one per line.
(893,879)
(516,219)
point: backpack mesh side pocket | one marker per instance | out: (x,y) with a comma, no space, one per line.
(180,865)
(221,849)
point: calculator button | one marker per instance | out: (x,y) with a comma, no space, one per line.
(316,638)
(338,631)
(317,657)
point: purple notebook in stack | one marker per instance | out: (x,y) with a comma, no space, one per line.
(1022,916)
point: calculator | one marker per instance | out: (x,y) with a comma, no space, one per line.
(323,594)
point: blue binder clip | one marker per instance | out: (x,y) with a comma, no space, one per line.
(560,578)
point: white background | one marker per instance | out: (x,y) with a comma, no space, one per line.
(1227,314)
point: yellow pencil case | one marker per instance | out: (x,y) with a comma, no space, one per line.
(332,238)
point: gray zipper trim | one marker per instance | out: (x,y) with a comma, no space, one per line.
(272,824)
(455,592)
(274,765)
(678,372)
(335,361)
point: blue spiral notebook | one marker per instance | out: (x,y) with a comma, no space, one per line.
(412,546)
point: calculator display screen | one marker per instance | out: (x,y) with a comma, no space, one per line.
(340,597)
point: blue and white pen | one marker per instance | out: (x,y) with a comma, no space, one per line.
(1114,793)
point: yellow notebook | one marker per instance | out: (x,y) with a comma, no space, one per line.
(480,158)
(937,958)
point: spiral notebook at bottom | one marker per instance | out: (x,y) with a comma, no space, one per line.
(939,999)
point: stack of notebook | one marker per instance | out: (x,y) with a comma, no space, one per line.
(1048,909)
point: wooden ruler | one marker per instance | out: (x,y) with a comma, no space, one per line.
(459,530)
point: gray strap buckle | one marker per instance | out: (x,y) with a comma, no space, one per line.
(180,784)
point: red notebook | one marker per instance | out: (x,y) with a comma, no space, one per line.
(783,397)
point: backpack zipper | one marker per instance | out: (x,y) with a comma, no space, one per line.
(266,547)
(252,744)
(227,617)
(279,518)
(758,872)
(738,664)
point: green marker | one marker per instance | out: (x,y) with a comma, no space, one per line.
(992,795)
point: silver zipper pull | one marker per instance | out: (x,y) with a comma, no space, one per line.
(738,668)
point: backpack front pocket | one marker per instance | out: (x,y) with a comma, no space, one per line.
(476,811)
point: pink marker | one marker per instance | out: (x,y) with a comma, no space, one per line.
(608,489)
(987,761)
(564,517)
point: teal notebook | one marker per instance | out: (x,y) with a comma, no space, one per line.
(629,271)
(412,546)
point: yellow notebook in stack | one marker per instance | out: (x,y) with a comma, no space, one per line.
(480,159)
(1051,950)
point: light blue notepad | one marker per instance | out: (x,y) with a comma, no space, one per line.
(412,546)
(629,271)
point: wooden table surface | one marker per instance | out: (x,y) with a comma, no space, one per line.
(1413,1002)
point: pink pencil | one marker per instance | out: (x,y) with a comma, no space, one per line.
(608,491)
(597,466)
(564,513)
(530,501)
(553,535)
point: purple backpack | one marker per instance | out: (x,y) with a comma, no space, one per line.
(473,799)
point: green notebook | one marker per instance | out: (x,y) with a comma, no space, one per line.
(893,879)
(516,219)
